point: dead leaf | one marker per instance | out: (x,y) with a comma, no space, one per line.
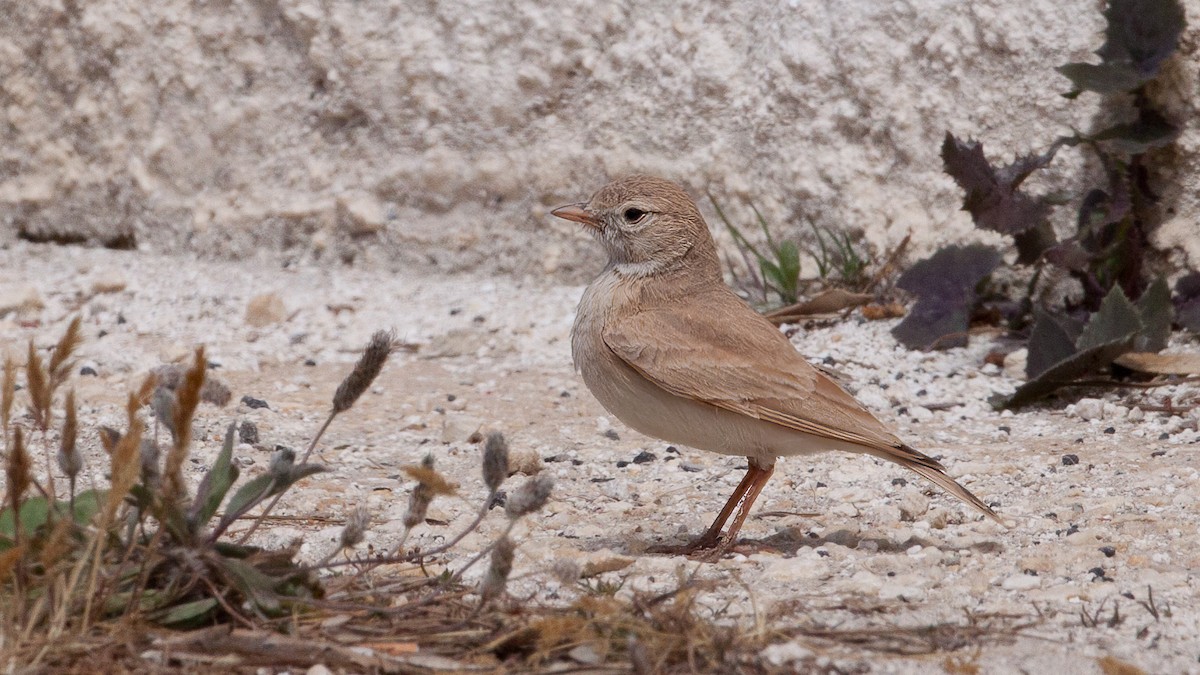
(830,301)
(435,481)
(1161,364)
(1111,665)
(878,312)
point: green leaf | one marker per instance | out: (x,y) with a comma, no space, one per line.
(1134,138)
(1116,320)
(1051,341)
(1156,313)
(1108,334)
(1104,78)
(215,485)
(186,615)
(247,497)
(257,587)
(789,269)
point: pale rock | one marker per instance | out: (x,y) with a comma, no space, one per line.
(264,310)
(458,428)
(1015,363)
(361,213)
(1089,409)
(1136,414)
(913,504)
(24,301)
(524,460)
(799,568)
(111,281)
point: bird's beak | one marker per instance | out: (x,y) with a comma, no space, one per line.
(576,213)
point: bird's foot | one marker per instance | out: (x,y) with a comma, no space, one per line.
(704,549)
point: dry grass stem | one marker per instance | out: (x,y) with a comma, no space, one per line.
(60,358)
(39,388)
(125,463)
(8,392)
(70,460)
(18,472)
(365,370)
(187,398)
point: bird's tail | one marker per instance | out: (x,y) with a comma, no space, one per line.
(933,471)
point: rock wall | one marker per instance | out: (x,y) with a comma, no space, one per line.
(439,133)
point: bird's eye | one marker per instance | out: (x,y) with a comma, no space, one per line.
(634,215)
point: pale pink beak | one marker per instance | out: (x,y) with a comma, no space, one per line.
(576,213)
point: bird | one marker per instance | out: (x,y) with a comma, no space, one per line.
(670,350)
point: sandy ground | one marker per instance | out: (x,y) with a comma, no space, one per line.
(838,541)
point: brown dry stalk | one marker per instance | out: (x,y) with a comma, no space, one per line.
(60,365)
(17,468)
(9,560)
(9,392)
(126,463)
(187,397)
(39,389)
(58,543)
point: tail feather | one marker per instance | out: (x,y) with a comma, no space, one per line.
(933,471)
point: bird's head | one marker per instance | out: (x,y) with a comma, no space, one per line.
(647,225)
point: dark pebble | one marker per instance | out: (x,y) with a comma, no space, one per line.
(644,457)
(554,458)
(1158,453)
(253,403)
(899,481)
(101,334)
(612,435)
(475,437)
(88,370)
(1097,572)
(1108,551)
(671,448)
(1006,430)
(690,468)
(622,464)
(821,485)
(451,397)
(1070,460)
(455,311)
(248,432)
(309,362)
(499,500)
(602,480)
(576,462)
(821,553)
(1164,436)
(1110,430)
(564,394)
(1072,529)
(120,319)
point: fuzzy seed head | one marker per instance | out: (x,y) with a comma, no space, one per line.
(282,461)
(530,497)
(567,572)
(70,460)
(495,460)
(496,579)
(365,371)
(356,527)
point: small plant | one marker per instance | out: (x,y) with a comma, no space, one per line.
(778,270)
(1120,307)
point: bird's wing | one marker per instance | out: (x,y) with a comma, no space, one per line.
(715,349)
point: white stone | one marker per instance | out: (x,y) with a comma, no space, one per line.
(1089,409)
(1021,582)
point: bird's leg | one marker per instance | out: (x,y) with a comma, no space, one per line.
(756,485)
(710,538)
(744,495)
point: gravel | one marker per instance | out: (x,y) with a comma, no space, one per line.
(835,540)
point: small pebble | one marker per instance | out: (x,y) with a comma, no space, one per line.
(253,403)
(1110,430)
(612,435)
(644,457)
(248,433)
(690,468)
(1070,460)
(1108,551)
(88,370)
